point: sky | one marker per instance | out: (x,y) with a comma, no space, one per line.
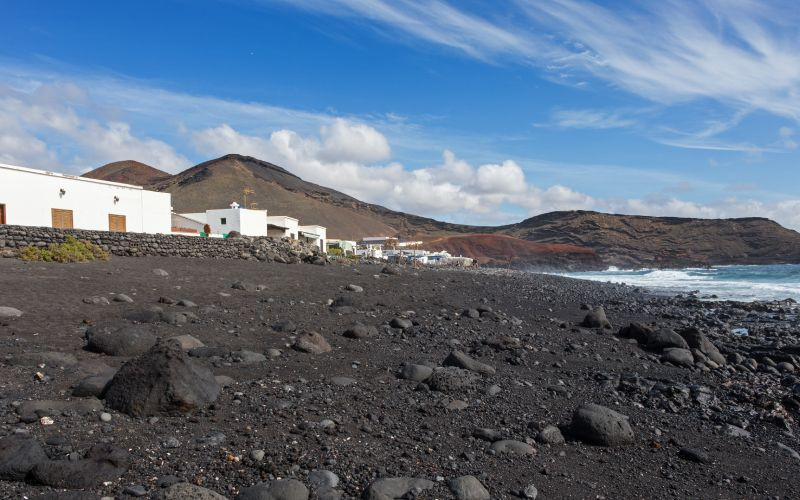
(466,111)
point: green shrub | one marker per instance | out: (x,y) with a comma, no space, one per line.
(72,250)
(335,251)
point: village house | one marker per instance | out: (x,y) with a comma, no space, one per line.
(346,246)
(31,197)
(281,226)
(316,235)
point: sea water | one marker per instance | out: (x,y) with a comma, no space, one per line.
(742,283)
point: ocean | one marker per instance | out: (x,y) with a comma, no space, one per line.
(741,283)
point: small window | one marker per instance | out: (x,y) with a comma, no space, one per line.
(223,221)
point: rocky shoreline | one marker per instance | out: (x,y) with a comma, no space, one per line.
(167,377)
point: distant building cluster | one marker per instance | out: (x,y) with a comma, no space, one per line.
(391,249)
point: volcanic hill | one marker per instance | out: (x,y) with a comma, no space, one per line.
(128,172)
(573,239)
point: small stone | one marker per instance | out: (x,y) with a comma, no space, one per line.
(354,288)
(530,492)
(121,297)
(136,490)
(9,312)
(402,323)
(550,435)
(171,443)
(160,272)
(322,479)
(105,417)
(468,488)
(257,455)
(513,447)
(694,455)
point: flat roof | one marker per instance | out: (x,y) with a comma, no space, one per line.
(70,177)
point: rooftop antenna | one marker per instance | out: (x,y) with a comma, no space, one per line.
(246,191)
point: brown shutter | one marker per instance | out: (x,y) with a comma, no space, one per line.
(2,214)
(62,219)
(116,223)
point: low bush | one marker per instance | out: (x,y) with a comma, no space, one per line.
(72,250)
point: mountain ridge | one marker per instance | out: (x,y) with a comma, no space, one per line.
(630,241)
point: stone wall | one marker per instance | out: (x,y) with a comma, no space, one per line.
(13,238)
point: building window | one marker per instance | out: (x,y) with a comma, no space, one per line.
(223,221)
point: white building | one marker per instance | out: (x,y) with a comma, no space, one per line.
(281,226)
(31,197)
(224,220)
(314,234)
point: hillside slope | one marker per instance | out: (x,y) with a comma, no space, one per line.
(128,172)
(216,183)
(638,241)
(507,251)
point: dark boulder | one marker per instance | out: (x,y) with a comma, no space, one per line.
(128,340)
(101,463)
(18,455)
(164,381)
(596,319)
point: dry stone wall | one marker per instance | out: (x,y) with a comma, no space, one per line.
(14,238)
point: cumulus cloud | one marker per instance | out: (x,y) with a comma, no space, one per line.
(451,188)
(33,124)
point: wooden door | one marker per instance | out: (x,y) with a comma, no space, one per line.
(2,214)
(116,223)
(62,219)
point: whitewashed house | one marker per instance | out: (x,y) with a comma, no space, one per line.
(31,197)
(281,226)
(224,220)
(316,235)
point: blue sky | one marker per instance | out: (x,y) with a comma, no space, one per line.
(465,111)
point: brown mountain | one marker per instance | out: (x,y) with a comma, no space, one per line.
(216,183)
(638,241)
(564,239)
(508,251)
(128,172)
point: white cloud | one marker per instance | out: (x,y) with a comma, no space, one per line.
(49,114)
(786,135)
(346,141)
(744,53)
(589,119)
(451,188)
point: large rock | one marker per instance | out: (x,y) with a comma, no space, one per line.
(101,463)
(282,489)
(596,319)
(468,488)
(164,381)
(461,360)
(450,379)
(128,340)
(9,312)
(18,455)
(312,343)
(636,331)
(664,338)
(415,373)
(602,426)
(697,340)
(93,385)
(391,488)
(677,356)
(360,331)
(187,491)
